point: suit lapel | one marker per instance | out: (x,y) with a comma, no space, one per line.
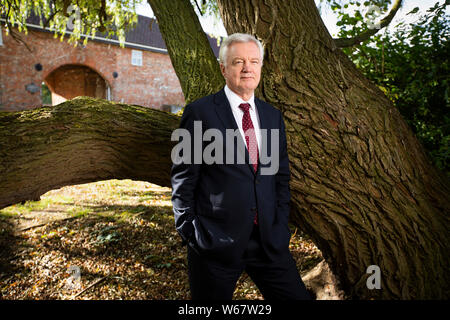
(225,114)
(264,124)
(223,110)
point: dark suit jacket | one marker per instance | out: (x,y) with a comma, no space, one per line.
(214,205)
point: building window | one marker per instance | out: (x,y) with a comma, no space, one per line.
(136,58)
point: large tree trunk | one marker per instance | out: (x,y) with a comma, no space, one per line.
(79,141)
(362,185)
(191,55)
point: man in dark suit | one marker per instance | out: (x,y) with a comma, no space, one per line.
(233,213)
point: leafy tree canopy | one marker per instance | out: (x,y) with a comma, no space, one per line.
(81,17)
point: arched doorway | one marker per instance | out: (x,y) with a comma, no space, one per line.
(71,80)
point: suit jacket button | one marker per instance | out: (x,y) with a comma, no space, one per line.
(257,181)
(253,209)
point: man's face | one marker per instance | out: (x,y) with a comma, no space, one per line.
(243,68)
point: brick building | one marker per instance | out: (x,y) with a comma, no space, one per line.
(141,73)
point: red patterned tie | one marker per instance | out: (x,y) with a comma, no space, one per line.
(250,135)
(250,139)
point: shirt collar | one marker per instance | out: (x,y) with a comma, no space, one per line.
(235,100)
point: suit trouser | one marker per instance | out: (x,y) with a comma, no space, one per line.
(276,280)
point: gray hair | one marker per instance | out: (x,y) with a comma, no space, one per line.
(237,37)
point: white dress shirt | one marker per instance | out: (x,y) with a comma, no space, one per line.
(238,114)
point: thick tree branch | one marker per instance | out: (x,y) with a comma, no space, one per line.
(79,141)
(363,36)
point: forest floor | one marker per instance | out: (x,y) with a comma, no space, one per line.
(111,239)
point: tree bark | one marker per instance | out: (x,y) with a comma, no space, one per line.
(192,57)
(361,183)
(79,141)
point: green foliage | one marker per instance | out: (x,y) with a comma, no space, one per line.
(410,64)
(46,95)
(81,17)
(355,16)
(108,235)
(207,7)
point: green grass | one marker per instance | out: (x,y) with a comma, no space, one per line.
(30,206)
